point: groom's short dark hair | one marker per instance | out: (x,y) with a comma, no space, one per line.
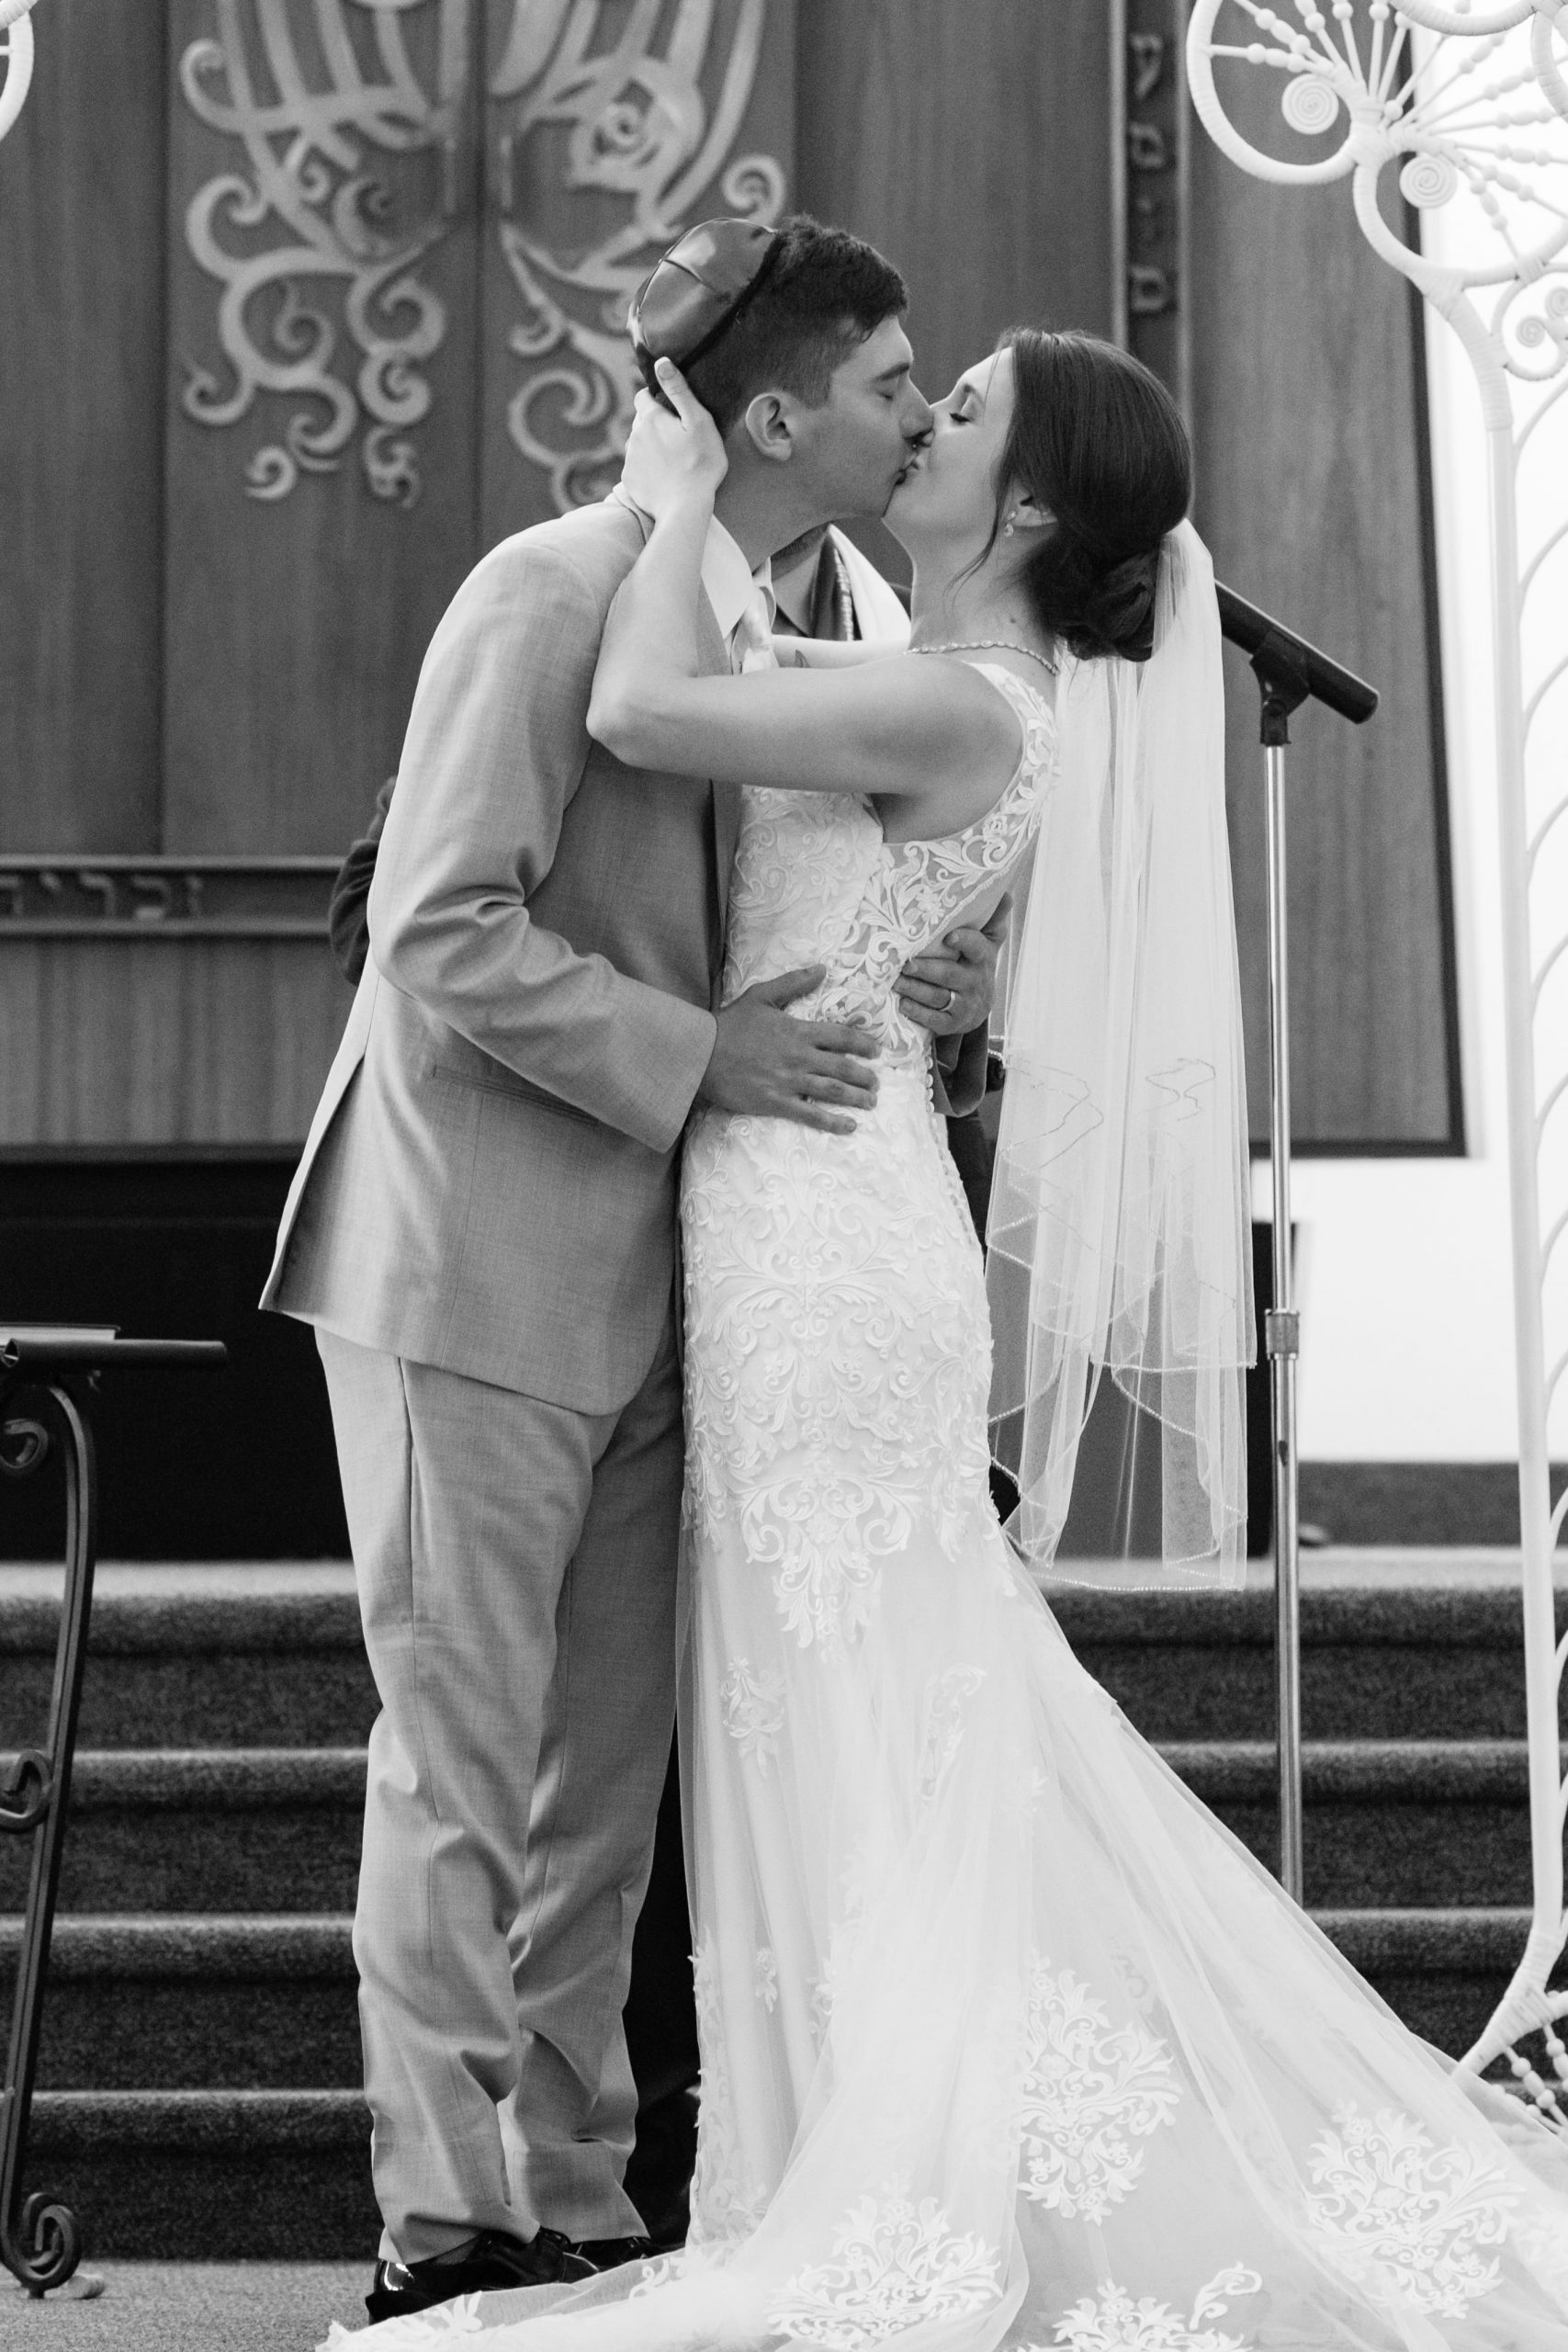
(825,293)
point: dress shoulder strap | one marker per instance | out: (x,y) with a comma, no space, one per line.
(1034,713)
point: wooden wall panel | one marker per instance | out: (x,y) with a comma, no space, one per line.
(80,374)
(297,622)
(206,1042)
(559,259)
(969,143)
(1311,459)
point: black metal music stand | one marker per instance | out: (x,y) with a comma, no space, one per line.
(40,2242)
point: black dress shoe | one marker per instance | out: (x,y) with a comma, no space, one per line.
(489,2262)
(609,2254)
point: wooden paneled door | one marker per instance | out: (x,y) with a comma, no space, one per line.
(306,303)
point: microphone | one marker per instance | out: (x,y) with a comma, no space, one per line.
(1284,660)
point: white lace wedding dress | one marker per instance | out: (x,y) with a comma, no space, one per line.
(1005,2041)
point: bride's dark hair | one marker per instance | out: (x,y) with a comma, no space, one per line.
(1097,441)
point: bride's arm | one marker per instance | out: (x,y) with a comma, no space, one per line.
(894,727)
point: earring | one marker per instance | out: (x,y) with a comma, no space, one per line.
(1007,526)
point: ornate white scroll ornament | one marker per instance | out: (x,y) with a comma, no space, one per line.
(637,129)
(1470,102)
(307,185)
(18,54)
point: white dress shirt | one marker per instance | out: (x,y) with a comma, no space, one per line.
(737,593)
(742,600)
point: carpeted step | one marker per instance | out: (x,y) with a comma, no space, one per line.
(206,1829)
(234,1656)
(265,2003)
(171,2003)
(1394,1647)
(1441,1972)
(273,2173)
(200,2055)
(1406,1822)
(254,2175)
(1406,1645)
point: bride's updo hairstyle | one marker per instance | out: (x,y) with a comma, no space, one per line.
(1099,443)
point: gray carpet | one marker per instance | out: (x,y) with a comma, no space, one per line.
(189,2307)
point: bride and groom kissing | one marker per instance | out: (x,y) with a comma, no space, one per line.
(1001,2036)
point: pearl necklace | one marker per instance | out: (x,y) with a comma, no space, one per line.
(987,645)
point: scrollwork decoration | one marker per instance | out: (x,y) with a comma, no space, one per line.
(27,1791)
(16,48)
(24,1444)
(306,179)
(1454,101)
(636,127)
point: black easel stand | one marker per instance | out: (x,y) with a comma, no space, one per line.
(1290,671)
(52,1371)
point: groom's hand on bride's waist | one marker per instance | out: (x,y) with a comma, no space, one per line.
(952,990)
(765,1062)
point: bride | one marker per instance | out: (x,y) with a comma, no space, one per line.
(1005,2041)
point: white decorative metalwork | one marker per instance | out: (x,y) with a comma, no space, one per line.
(305,143)
(635,128)
(1470,102)
(18,53)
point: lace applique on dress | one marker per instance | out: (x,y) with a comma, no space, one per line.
(1089,2090)
(727,2203)
(818,1410)
(753,1704)
(1112,2322)
(838,1349)
(899,2264)
(1394,2207)
(947,1697)
(920,884)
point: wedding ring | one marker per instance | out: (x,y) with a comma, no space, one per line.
(951,1000)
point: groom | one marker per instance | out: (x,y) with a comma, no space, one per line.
(482,1232)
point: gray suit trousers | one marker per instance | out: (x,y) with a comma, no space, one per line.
(516,1564)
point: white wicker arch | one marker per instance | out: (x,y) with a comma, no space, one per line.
(1472,103)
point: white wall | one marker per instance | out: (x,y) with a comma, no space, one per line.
(1406,1293)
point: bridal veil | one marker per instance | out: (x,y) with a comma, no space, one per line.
(1120,1225)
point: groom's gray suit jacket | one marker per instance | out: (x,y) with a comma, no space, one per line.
(489,1182)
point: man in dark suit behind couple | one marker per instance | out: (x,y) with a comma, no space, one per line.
(482,1231)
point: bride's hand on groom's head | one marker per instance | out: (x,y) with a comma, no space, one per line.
(673,452)
(952,990)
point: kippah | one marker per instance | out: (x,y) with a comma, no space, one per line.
(699,289)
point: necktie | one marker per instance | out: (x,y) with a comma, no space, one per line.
(832,599)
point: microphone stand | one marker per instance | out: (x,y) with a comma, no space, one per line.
(1289,671)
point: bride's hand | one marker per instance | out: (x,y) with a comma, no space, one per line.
(672,457)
